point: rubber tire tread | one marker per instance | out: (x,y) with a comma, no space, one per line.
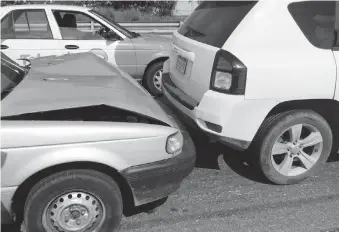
(106,186)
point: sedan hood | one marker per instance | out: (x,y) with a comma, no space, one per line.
(152,42)
(79,80)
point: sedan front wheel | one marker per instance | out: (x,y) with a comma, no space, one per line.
(153,78)
(74,201)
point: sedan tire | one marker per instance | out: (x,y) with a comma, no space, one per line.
(153,78)
(74,200)
(292,146)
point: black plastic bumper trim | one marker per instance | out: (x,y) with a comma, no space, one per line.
(153,181)
(214,127)
(177,93)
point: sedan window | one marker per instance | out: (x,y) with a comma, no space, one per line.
(121,29)
(78,26)
(26,24)
(7,31)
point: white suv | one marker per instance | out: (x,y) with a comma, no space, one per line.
(261,76)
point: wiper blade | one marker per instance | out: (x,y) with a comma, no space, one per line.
(191,29)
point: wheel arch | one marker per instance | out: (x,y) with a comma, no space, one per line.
(327,108)
(21,193)
(157,60)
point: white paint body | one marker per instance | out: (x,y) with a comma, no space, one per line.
(132,55)
(282,66)
(56,46)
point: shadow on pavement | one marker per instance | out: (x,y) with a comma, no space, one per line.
(241,164)
(147,208)
(333,158)
(10,228)
(208,153)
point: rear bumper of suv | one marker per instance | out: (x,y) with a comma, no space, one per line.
(229,118)
(154,181)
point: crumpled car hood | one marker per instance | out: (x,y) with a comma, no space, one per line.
(79,80)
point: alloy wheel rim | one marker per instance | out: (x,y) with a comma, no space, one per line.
(74,212)
(297,150)
(157,79)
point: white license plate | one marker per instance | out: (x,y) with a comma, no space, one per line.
(181,64)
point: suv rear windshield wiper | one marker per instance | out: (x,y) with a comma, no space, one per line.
(191,30)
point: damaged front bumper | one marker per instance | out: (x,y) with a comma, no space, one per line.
(154,181)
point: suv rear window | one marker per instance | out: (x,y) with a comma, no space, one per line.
(316,19)
(213,22)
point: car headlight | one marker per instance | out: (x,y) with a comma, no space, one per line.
(174,143)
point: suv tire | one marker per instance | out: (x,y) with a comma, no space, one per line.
(272,134)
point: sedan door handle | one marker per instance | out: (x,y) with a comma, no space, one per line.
(3,47)
(71,47)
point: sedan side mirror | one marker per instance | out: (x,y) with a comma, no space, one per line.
(111,35)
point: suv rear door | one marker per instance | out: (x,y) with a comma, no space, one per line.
(197,41)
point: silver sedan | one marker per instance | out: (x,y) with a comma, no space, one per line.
(80,141)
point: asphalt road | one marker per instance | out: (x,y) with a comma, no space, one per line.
(224,194)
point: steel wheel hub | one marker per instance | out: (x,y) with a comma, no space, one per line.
(74,212)
(297,150)
(157,80)
(294,149)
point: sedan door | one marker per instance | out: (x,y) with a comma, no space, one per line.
(26,33)
(81,32)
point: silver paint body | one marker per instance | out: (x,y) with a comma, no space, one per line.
(28,147)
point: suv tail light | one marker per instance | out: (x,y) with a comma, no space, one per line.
(228,74)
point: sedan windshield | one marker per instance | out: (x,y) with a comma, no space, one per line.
(121,29)
(11,75)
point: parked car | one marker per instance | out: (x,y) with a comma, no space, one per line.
(261,77)
(80,140)
(29,31)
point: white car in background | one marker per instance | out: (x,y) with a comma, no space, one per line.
(29,31)
(261,76)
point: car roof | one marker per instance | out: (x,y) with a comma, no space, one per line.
(45,6)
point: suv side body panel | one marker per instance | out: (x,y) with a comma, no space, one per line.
(281,72)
